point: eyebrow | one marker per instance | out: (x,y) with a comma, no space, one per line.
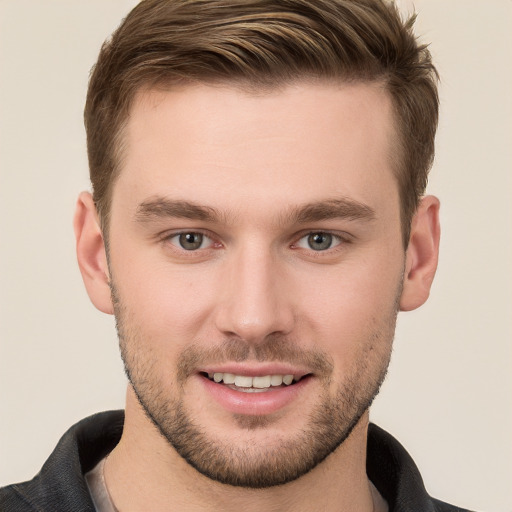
(342,208)
(339,208)
(161,207)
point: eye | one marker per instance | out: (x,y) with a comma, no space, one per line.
(319,241)
(190,241)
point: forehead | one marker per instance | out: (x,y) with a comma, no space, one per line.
(283,146)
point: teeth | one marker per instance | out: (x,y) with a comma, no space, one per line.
(243,382)
(287,379)
(228,378)
(260,382)
(276,380)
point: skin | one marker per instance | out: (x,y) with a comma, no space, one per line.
(257,160)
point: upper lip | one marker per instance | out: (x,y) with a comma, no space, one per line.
(255,370)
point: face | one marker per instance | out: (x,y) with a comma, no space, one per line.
(256,267)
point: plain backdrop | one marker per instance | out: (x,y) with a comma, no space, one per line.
(448,397)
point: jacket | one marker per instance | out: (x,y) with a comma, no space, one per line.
(60,485)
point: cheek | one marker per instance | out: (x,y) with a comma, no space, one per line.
(351,304)
(164,301)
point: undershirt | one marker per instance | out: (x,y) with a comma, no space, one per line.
(98,488)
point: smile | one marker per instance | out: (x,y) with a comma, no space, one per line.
(254,384)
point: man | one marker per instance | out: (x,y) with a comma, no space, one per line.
(256,223)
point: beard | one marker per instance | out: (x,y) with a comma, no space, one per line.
(255,464)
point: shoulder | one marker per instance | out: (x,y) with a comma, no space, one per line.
(61,485)
(11,499)
(396,476)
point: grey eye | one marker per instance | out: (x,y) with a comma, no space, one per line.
(191,241)
(319,241)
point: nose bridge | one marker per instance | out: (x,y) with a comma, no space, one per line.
(255,302)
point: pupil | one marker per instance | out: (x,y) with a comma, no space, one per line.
(191,241)
(320,241)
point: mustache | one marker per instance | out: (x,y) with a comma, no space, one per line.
(272,349)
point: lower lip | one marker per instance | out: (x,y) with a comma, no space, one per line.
(260,403)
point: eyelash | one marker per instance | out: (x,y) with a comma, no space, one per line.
(339,239)
(336,238)
(167,238)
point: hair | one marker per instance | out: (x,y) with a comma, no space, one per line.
(264,44)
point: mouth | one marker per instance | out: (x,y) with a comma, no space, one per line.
(256,388)
(256,383)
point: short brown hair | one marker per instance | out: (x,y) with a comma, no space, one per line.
(264,43)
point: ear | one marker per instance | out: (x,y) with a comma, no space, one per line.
(422,254)
(91,255)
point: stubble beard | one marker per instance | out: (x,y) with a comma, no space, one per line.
(255,466)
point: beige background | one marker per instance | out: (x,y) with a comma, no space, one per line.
(448,397)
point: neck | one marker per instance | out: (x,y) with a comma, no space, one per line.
(144,472)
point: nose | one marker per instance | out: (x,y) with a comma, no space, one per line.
(256,299)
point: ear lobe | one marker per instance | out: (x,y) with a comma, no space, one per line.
(91,255)
(422,254)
